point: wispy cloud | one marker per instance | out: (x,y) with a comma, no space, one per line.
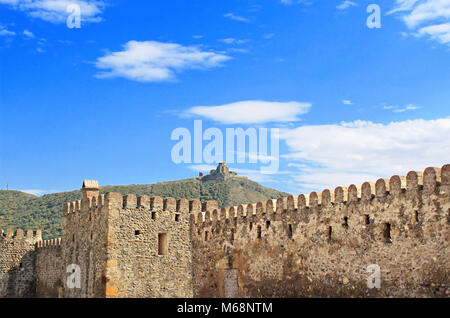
(252,112)
(55,11)
(37,192)
(233,41)
(235,17)
(327,156)
(347,102)
(28,34)
(425,18)
(439,32)
(153,61)
(345,5)
(5,32)
(399,109)
(306,2)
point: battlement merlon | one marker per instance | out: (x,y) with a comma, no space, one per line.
(55,242)
(19,234)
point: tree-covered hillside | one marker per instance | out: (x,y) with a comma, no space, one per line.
(26,211)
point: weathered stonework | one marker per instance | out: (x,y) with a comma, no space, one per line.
(319,245)
(17,263)
(49,268)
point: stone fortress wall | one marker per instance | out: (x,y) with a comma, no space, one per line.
(321,245)
(315,245)
(17,262)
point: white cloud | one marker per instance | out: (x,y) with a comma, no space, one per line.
(232,41)
(305,2)
(346,153)
(232,16)
(55,11)
(152,61)
(439,32)
(347,102)
(36,192)
(28,34)
(426,17)
(252,112)
(398,109)
(5,32)
(345,5)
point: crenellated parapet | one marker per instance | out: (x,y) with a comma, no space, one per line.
(414,186)
(20,235)
(52,243)
(131,201)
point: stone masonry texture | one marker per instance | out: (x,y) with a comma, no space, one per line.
(318,245)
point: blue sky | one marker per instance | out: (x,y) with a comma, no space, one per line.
(100,102)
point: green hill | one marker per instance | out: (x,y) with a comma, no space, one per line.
(26,211)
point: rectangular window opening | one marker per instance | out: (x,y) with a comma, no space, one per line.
(177,217)
(153,215)
(290,231)
(206,235)
(345,224)
(330,230)
(137,232)
(416,217)
(259,232)
(366,219)
(387,233)
(267,224)
(163,247)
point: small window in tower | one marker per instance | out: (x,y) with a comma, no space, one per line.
(90,217)
(387,233)
(251,226)
(366,219)
(345,224)
(163,247)
(137,232)
(267,224)
(416,217)
(20,265)
(206,235)
(290,231)
(259,232)
(153,215)
(92,235)
(330,230)
(177,217)
(73,238)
